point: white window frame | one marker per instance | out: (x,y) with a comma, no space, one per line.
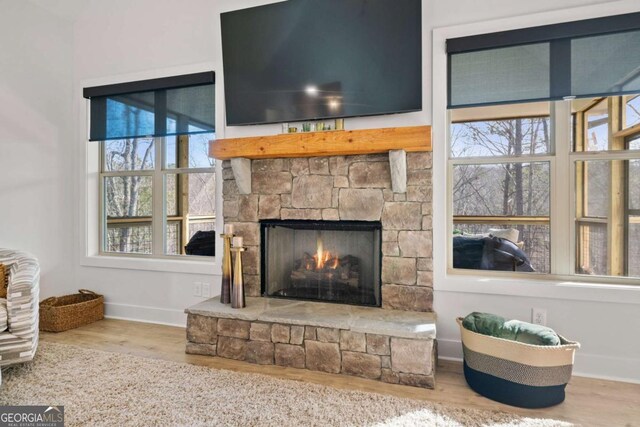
(88,204)
(560,285)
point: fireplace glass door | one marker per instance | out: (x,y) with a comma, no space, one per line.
(332,261)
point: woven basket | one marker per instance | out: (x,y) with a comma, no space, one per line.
(59,314)
(518,374)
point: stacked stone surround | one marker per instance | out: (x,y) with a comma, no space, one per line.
(343,188)
(380,357)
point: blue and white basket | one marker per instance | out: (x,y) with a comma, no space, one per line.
(518,374)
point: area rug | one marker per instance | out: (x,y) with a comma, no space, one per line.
(111,389)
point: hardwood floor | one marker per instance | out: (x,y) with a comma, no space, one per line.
(589,402)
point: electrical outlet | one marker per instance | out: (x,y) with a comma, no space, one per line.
(206,290)
(197,289)
(539,316)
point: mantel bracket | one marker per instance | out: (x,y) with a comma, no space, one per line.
(242,173)
(398,165)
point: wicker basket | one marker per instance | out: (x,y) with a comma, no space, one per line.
(59,314)
(518,374)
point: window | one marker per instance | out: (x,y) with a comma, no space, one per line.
(501,181)
(157,183)
(517,139)
(607,187)
(186,176)
(500,169)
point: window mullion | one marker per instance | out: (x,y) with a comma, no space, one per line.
(605,155)
(450,225)
(449,193)
(193,170)
(128,173)
(500,160)
(159,211)
(562,196)
(102,220)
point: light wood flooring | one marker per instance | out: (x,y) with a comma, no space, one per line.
(589,402)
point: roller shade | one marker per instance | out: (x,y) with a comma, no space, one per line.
(606,65)
(595,57)
(159,107)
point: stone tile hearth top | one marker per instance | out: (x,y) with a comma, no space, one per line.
(402,324)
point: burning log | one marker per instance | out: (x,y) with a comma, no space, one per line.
(326,272)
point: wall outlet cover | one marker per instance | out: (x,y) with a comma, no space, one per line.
(197,289)
(206,290)
(539,316)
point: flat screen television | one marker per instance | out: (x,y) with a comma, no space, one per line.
(321,59)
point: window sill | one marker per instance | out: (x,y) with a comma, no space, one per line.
(167,265)
(536,287)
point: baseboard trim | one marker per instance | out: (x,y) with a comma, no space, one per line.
(587,365)
(607,378)
(450,359)
(145,314)
(449,349)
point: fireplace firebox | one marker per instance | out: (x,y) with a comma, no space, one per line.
(331,261)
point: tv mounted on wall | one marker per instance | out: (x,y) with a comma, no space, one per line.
(320,59)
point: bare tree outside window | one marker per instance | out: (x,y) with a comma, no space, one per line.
(128,199)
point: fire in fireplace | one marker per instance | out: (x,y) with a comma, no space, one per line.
(334,261)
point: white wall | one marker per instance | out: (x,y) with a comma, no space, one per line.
(125,37)
(36,141)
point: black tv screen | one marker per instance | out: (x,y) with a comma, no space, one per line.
(318,59)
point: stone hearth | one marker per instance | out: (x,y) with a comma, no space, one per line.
(392,346)
(343,188)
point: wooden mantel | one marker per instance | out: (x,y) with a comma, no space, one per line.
(328,143)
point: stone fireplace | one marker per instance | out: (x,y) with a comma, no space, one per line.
(338,267)
(331,261)
(343,188)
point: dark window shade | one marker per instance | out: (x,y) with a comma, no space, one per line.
(595,57)
(518,73)
(175,106)
(545,33)
(606,65)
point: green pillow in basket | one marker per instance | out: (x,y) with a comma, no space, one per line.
(514,330)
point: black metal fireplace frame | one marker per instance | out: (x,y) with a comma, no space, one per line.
(303,224)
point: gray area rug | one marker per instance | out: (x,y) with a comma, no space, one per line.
(112,389)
